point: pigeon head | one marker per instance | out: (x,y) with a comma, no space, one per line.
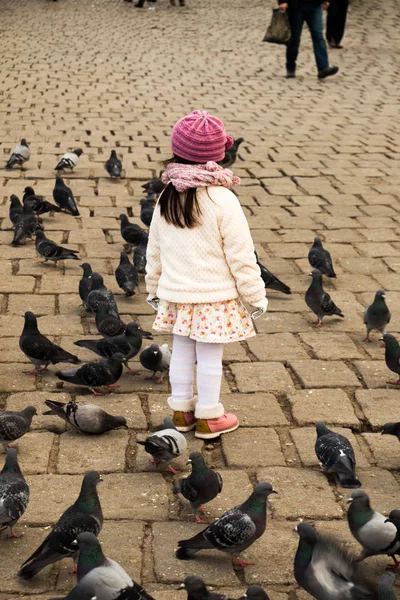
(92,478)
(380,295)
(168,423)
(97,281)
(133,330)
(255,592)
(40,235)
(307,533)
(196,458)
(78,152)
(30,320)
(124,219)
(317,242)
(316,275)
(90,553)
(390,341)
(193,584)
(394,516)
(124,258)
(30,411)
(11,463)
(120,422)
(24,142)
(113,154)
(87,269)
(321,428)
(391,429)
(29,191)
(117,357)
(359,498)
(14,200)
(263,490)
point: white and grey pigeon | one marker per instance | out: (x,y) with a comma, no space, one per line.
(336,453)
(87,417)
(19,155)
(235,531)
(377,315)
(371,529)
(14,493)
(166,444)
(157,359)
(325,570)
(69,160)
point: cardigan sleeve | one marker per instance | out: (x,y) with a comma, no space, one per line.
(239,252)
(153,264)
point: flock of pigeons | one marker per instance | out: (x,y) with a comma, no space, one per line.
(321,565)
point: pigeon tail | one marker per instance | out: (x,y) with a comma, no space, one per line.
(89,344)
(186,553)
(347,481)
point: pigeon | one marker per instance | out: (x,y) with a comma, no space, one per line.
(37,203)
(336,453)
(377,315)
(385,587)
(113,165)
(39,349)
(128,344)
(197,589)
(14,493)
(235,530)
(126,275)
(325,570)
(49,250)
(394,517)
(20,155)
(84,515)
(166,444)
(85,284)
(103,576)
(88,418)
(95,374)
(270,281)
(231,154)
(139,256)
(64,197)
(255,592)
(202,485)
(320,259)
(371,529)
(392,429)
(107,324)
(156,359)
(69,160)
(15,209)
(26,226)
(14,424)
(154,186)
(132,234)
(146,211)
(320,301)
(392,355)
(99,293)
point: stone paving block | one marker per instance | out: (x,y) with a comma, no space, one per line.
(140,496)
(13,379)
(384,449)
(255,410)
(378,406)
(235,353)
(252,447)
(11,325)
(277,346)
(262,377)
(304,440)
(20,284)
(282,322)
(328,405)
(331,346)
(105,453)
(300,493)
(40,305)
(11,352)
(321,374)
(375,373)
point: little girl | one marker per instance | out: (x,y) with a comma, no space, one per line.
(200,264)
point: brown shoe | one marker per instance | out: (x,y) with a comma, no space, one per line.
(184,421)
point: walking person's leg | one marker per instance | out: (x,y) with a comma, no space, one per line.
(342,8)
(296,21)
(331,19)
(181,376)
(313,17)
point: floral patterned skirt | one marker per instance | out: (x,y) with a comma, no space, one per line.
(216,322)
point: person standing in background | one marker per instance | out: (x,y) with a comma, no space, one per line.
(336,22)
(309,11)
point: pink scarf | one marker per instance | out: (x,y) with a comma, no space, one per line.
(183,177)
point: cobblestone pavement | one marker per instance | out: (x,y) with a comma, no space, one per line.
(319,157)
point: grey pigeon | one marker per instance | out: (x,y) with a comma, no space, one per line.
(131,233)
(14,493)
(320,301)
(103,576)
(166,444)
(49,250)
(146,211)
(336,453)
(202,485)
(15,209)
(69,160)
(103,373)
(39,349)
(37,203)
(99,293)
(371,529)
(154,186)
(84,515)
(126,275)
(255,592)
(392,355)
(85,284)
(325,570)
(25,227)
(88,418)
(19,155)
(320,259)
(377,315)
(64,197)
(107,324)
(231,154)
(128,344)
(385,587)
(391,429)
(156,359)
(139,256)
(235,530)
(271,281)
(113,165)
(14,424)
(197,589)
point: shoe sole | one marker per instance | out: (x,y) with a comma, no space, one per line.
(186,428)
(210,436)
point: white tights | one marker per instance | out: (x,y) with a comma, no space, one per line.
(185,353)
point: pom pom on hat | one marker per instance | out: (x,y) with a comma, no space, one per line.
(200,138)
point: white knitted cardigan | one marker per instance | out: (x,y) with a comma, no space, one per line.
(211,262)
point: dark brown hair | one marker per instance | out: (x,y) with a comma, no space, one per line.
(181,209)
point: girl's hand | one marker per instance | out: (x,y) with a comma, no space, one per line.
(261,305)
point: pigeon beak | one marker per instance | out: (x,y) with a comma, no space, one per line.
(189,461)
(155,353)
(349,500)
(273,492)
(181,587)
(100,479)
(295,529)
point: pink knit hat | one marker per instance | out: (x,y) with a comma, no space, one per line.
(200,137)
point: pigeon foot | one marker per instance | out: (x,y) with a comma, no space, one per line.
(367,339)
(113,386)
(393,382)
(12,534)
(174,471)
(199,520)
(241,563)
(132,371)
(318,324)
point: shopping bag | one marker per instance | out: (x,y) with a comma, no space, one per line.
(278,31)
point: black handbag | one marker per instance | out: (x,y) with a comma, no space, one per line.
(278,31)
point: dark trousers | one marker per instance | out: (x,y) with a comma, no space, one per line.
(311,13)
(336,20)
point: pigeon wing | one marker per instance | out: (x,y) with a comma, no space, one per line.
(234,528)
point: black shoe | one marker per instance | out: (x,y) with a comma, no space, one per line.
(327,72)
(290,74)
(137,5)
